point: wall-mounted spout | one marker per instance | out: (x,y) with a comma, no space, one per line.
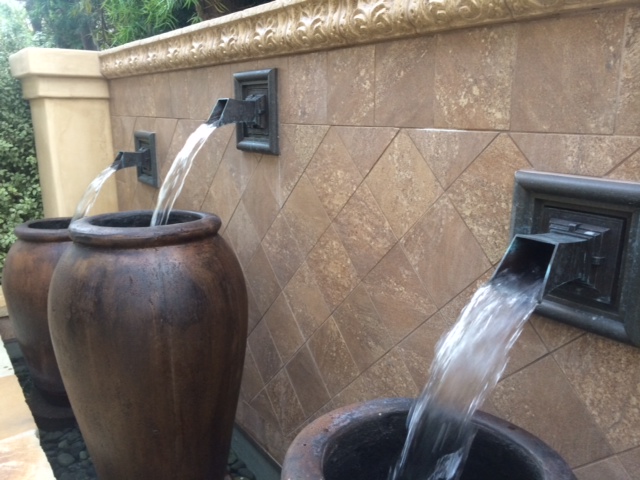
(583,235)
(557,258)
(131,159)
(251,111)
(254,111)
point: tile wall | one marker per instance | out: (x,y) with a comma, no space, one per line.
(390,204)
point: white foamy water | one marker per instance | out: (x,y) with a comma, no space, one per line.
(173,183)
(91,193)
(468,363)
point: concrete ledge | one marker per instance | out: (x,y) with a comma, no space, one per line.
(21,457)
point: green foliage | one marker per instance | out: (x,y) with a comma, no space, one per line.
(20,198)
(136,19)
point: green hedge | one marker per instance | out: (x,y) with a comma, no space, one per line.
(20,197)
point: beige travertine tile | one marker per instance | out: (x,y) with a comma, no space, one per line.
(332,268)
(223,195)
(388,378)
(628,170)
(160,87)
(444,253)
(306,97)
(631,462)
(332,357)
(474,71)
(540,399)
(307,382)
(333,174)
(283,328)
(404,79)
(281,246)
(255,315)
(264,352)
(242,236)
(449,152)
(298,143)
(403,184)
(483,195)
(259,201)
(285,402)
(180,92)
(22,458)
(572,87)
(366,144)
(609,468)
(527,349)
(363,331)
(418,349)
(262,405)
(554,334)
(263,282)
(400,298)
(612,395)
(305,215)
(306,301)
(351,79)
(592,155)
(251,381)
(628,118)
(364,230)
(122,129)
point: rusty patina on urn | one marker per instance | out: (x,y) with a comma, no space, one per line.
(25,283)
(149,326)
(363,441)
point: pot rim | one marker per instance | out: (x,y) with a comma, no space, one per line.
(132,229)
(55,229)
(311,445)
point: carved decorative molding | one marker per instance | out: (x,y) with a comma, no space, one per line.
(285,27)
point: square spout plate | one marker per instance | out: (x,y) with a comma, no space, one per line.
(610,305)
(253,138)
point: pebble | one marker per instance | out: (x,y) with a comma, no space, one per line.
(68,455)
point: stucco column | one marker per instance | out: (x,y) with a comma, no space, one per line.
(69,100)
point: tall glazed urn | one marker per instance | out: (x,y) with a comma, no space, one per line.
(25,283)
(149,327)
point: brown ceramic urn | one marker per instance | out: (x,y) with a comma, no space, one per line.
(149,326)
(25,282)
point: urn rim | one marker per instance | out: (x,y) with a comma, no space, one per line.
(133,229)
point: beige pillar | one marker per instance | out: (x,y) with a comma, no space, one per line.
(69,101)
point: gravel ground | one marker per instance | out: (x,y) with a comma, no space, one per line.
(68,456)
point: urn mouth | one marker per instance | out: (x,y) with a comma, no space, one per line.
(363,441)
(44,230)
(133,229)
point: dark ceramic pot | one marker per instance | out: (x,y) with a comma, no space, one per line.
(149,326)
(25,282)
(363,441)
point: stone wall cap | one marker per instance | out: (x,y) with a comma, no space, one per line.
(55,62)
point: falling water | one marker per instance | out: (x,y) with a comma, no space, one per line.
(173,183)
(468,363)
(93,190)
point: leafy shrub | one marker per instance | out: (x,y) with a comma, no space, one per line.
(20,197)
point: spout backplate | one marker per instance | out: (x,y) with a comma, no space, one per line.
(602,294)
(259,87)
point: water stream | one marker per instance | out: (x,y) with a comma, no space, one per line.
(173,183)
(171,187)
(468,363)
(93,190)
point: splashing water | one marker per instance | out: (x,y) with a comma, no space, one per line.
(93,190)
(173,183)
(468,363)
